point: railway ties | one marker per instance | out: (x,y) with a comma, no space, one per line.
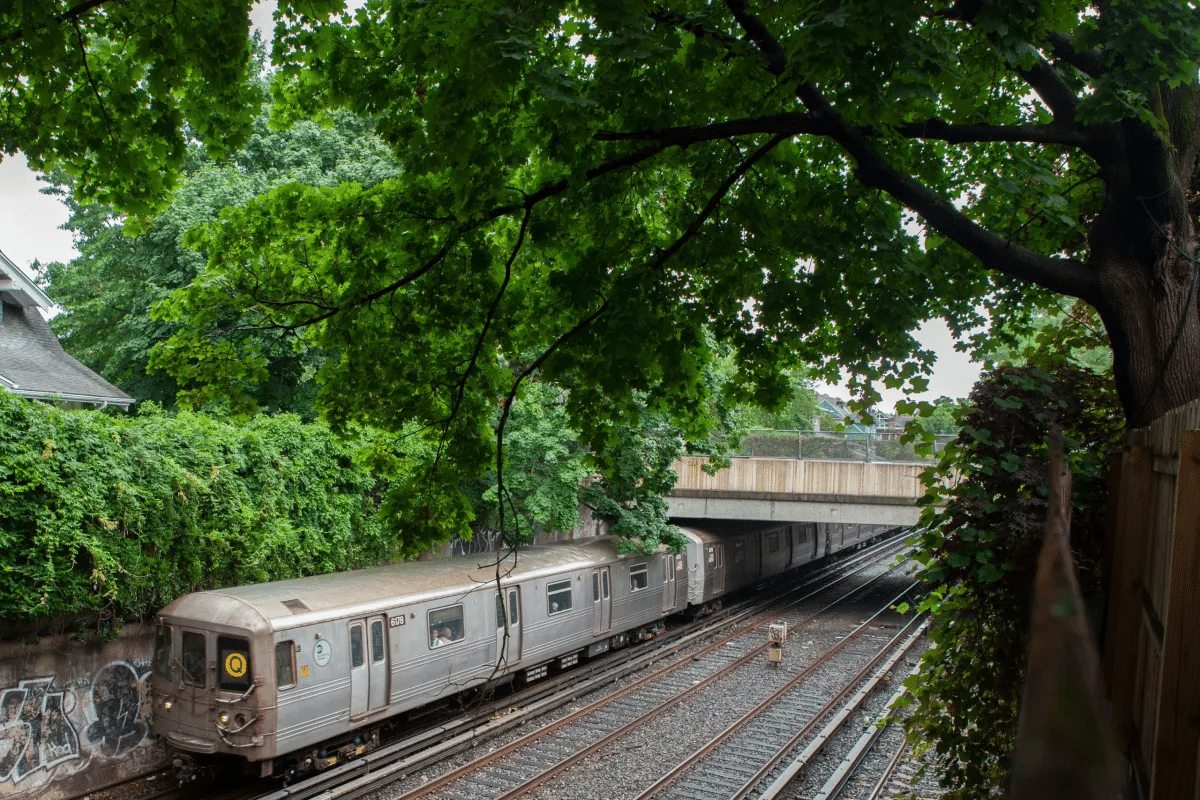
(551,753)
(736,759)
(725,767)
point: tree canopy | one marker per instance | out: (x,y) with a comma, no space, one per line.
(109,291)
(593,192)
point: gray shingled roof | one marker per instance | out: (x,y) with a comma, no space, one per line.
(32,362)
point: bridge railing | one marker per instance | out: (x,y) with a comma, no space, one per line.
(833,446)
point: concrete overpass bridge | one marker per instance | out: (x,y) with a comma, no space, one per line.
(795,490)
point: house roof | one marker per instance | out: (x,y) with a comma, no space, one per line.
(32,362)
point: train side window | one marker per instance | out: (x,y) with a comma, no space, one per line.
(285,664)
(377,652)
(499,610)
(679,563)
(595,587)
(233,663)
(514,611)
(712,554)
(192,659)
(739,554)
(637,577)
(604,584)
(558,597)
(773,541)
(666,568)
(356,646)
(446,625)
(162,650)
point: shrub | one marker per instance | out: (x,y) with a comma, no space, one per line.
(119,515)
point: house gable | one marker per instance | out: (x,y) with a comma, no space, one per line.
(32,362)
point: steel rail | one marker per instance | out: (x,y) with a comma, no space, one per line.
(836,782)
(889,771)
(425,748)
(478,765)
(788,687)
(781,782)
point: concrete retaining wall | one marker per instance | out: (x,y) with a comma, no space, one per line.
(75,717)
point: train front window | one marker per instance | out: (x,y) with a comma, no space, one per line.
(162,650)
(192,658)
(233,664)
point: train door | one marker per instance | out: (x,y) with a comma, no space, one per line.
(717,560)
(601,601)
(681,580)
(668,568)
(510,612)
(368,665)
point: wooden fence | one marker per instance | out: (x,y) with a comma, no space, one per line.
(1151,659)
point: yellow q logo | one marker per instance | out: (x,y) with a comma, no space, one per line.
(235,665)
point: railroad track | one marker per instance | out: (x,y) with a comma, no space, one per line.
(880,765)
(532,761)
(734,764)
(420,749)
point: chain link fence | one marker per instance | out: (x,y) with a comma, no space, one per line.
(833,445)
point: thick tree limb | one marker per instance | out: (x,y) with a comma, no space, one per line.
(1089,62)
(1044,79)
(797,124)
(1062,275)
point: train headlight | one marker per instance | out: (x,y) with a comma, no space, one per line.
(224,718)
(167,704)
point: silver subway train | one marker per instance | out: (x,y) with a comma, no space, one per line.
(298,675)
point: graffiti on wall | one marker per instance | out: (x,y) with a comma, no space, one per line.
(121,701)
(35,732)
(48,728)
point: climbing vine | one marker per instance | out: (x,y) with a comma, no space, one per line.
(113,517)
(978,558)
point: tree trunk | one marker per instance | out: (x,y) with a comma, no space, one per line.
(1143,250)
(1154,326)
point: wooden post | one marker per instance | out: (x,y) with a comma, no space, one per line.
(1178,733)
(1132,528)
(1064,748)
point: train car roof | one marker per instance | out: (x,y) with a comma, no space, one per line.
(302,601)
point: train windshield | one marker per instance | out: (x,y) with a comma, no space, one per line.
(162,650)
(192,659)
(233,663)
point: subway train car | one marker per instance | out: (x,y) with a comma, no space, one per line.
(296,675)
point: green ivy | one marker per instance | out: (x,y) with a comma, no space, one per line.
(979,557)
(119,515)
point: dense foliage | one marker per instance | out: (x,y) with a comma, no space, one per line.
(109,292)
(112,92)
(120,515)
(979,558)
(587,190)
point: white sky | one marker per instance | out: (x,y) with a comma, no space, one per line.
(30,230)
